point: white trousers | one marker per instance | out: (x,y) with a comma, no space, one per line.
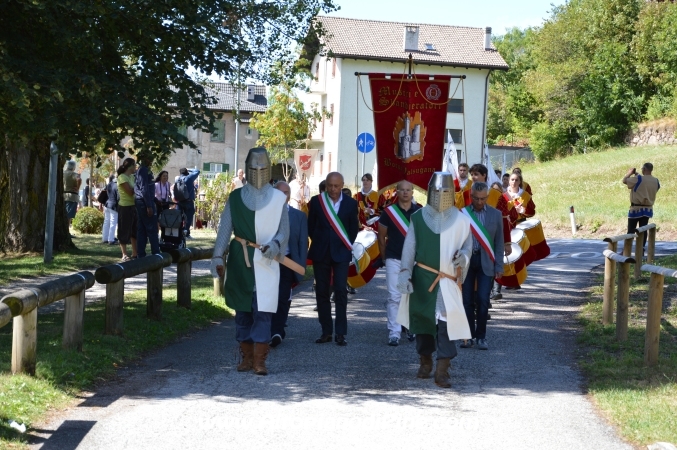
(394,296)
(110,223)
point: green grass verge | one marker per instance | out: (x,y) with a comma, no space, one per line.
(640,401)
(89,254)
(592,184)
(61,374)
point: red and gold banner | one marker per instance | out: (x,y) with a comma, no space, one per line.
(410,116)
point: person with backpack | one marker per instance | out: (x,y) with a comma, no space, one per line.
(109,198)
(184,195)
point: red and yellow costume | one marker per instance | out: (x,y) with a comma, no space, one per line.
(463,196)
(364,202)
(523,199)
(387,198)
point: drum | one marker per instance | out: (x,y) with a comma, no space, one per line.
(534,231)
(514,269)
(365,250)
(519,237)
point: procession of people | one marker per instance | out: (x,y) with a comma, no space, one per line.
(444,262)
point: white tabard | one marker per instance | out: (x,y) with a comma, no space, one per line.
(267,271)
(451,240)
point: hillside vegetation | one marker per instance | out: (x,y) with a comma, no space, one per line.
(592,184)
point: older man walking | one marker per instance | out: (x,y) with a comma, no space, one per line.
(486,262)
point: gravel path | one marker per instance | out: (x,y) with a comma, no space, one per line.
(524,393)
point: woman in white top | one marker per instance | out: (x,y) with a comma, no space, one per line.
(163,192)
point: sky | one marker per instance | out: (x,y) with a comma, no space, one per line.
(497,14)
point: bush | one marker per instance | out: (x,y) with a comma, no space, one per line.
(549,141)
(88,221)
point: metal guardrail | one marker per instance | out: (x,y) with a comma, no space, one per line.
(23,307)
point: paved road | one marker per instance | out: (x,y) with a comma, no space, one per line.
(525,392)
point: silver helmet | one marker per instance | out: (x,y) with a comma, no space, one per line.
(441,191)
(257,167)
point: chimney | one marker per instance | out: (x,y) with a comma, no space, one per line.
(487,38)
(410,38)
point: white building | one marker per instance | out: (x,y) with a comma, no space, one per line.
(356,46)
(215,152)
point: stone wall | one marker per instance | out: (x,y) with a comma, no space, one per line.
(653,133)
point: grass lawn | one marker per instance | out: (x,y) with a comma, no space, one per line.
(592,184)
(89,254)
(641,401)
(62,375)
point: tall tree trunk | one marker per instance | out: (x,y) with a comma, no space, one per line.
(24,175)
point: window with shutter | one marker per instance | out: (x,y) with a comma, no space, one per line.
(456,136)
(455,105)
(219,135)
(206,167)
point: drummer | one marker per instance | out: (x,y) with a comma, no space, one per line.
(520,198)
(392,229)
(367,201)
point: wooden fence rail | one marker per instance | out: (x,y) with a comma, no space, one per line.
(113,276)
(23,307)
(654,309)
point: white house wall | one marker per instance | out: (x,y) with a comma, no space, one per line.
(352,116)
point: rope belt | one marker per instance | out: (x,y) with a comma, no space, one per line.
(440,275)
(245,243)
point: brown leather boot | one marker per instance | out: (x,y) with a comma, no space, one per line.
(247,356)
(442,373)
(426,366)
(260,354)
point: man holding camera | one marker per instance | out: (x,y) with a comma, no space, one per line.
(643,189)
(392,229)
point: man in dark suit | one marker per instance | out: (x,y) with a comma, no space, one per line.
(486,262)
(297,250)
(332,226)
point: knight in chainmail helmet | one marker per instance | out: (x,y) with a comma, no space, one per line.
(257,217)
(435,257)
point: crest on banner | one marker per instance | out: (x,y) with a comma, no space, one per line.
(305,160)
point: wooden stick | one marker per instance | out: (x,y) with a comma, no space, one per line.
(639,255)
(609,285)
(218,287)
(623,301)
(115,293)
(653,319)
(627,246)
(651,247)
(73,321)
(24,342)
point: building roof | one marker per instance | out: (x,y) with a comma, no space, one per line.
(227,98)
(384,41)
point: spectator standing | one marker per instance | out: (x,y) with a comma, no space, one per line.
(239,180)
(144,199)
(126,208)
(187,204)
(71,187)
(163,191)
(392,229)
(643,189)
(85,194)
(110,212)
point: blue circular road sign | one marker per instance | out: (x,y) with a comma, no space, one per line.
(365,142)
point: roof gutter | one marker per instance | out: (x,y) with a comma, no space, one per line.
(422,62)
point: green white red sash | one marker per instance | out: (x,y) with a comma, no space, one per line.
(398,218)
(480,233)
(334,220)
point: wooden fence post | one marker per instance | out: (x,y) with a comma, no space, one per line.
(183,284)
(653,319)
(639,255)
(609,284)
(623,301)
(154,294)
(24,342)
(74,310)
(651,247)
(115,293)
(627,247)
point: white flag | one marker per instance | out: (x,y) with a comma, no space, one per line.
(491,176)
(450,161)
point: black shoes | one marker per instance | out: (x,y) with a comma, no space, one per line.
(323,339)
(340,340)
(275,340)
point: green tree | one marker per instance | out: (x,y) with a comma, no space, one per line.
(285,125)
(85,74)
